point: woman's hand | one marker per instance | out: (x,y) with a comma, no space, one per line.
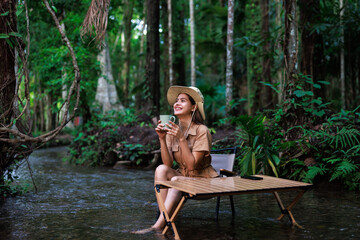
(174,130)
(160,130)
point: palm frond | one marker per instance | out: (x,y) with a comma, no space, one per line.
(96,19)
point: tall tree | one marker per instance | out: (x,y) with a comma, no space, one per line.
(266,94)
(291,41)
(179,37)
(7,78)
(153,56)
(164,16)
(229,54)
(171,74)
(293,115)
(307,13)
(140,73)
(106,93)
(17,142)
(192,43)
(253,55)
(128,12)
(342,56)
(279,50)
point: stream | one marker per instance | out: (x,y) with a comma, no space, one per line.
(75,202)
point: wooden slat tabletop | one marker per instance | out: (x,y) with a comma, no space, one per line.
(233,185)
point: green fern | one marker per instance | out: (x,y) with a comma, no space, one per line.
(354,151)
(357,177)
(315,171)
(343,169)
(353,181)
(345,137)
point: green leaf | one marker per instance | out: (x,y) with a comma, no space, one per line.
(3,35)
(9,42)
(276,159)
(273,167)
(253,163)
(317,86)
(79,137)
(270,85)
(324,82)
(4,14)
(19,11)
(300,93)
(54,8)
(15,34)
(319,113)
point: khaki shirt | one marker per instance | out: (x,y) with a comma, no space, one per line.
(199,139)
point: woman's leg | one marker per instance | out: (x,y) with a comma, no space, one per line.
(164,173)
(170,196)
(172,199)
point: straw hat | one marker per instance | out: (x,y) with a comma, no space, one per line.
(194,92)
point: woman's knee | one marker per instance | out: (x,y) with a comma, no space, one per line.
(162,171)
(175,178)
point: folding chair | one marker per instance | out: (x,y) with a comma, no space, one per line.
(223,164)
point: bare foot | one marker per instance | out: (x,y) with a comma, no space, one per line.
(147,230)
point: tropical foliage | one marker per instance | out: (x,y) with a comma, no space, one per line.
(305,129)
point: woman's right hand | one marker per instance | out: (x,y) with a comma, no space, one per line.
(160,130)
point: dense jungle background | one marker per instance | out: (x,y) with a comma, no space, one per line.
(280,81)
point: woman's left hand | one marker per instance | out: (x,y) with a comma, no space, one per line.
(174,130)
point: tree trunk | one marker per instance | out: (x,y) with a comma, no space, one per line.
(342,57)
(165,53)
(295,115)
(357,82)
(42,111)
(266,67)
(229,55)
(7,78)
(49,117)
(106,93)
(253,56)
(192,43)
(307,13)
(291,42)
(153,56)
(128,12)
(171,75)
(140,72)
(279,72)
(179,42)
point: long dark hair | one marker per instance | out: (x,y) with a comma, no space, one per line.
(197,115)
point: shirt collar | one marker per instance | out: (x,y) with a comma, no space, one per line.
(192,129)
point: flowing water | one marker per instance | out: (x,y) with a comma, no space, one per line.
(76,202)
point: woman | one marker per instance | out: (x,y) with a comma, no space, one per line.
(188,143)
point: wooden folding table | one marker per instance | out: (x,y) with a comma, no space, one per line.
(199,188)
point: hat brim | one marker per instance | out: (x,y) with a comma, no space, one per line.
(174,92)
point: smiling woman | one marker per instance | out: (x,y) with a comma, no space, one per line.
(187,143)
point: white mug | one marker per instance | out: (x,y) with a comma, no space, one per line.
(166,118)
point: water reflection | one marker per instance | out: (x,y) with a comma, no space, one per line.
(90,203)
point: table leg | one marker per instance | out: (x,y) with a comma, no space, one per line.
(287,210)
(170,221)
